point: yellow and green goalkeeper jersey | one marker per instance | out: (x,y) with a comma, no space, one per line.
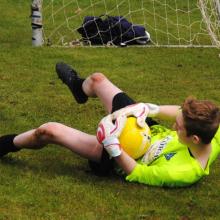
(169,163)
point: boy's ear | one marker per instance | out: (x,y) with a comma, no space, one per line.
(196,139)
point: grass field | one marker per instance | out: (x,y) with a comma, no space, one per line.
(54,183)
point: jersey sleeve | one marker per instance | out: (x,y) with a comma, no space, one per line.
(164,175)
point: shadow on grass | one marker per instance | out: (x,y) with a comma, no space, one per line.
(76,168)
(52,166)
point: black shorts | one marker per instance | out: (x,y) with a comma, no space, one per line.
(106,165)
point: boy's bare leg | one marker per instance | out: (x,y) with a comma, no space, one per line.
(79,142)
(97,85)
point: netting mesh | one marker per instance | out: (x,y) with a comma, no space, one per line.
(169,22)
(210,11)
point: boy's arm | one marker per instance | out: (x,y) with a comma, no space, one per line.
(143,110)
(126,162)
(167,174)
(167,112)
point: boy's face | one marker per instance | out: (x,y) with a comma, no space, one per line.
(180,129)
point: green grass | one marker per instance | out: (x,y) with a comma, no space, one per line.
(54,183)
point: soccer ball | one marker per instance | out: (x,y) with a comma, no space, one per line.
(135,140)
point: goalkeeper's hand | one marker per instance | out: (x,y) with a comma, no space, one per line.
(141,111)
(108,133)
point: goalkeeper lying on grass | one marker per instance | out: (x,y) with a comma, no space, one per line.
(175,158)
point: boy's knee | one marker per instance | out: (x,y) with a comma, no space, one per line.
(97,78)
(47,130)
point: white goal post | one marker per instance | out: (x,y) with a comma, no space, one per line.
(171,23)
(37,23)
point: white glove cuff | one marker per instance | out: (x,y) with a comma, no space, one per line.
(112,146)
(153,109)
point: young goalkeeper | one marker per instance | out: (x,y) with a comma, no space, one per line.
(175,158)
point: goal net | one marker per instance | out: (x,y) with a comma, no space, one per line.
(171,23)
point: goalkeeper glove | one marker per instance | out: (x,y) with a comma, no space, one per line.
(153,109)
(112,146)
(108,133)
(140,111)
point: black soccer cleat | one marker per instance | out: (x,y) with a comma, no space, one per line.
(71,78)
(7,145)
